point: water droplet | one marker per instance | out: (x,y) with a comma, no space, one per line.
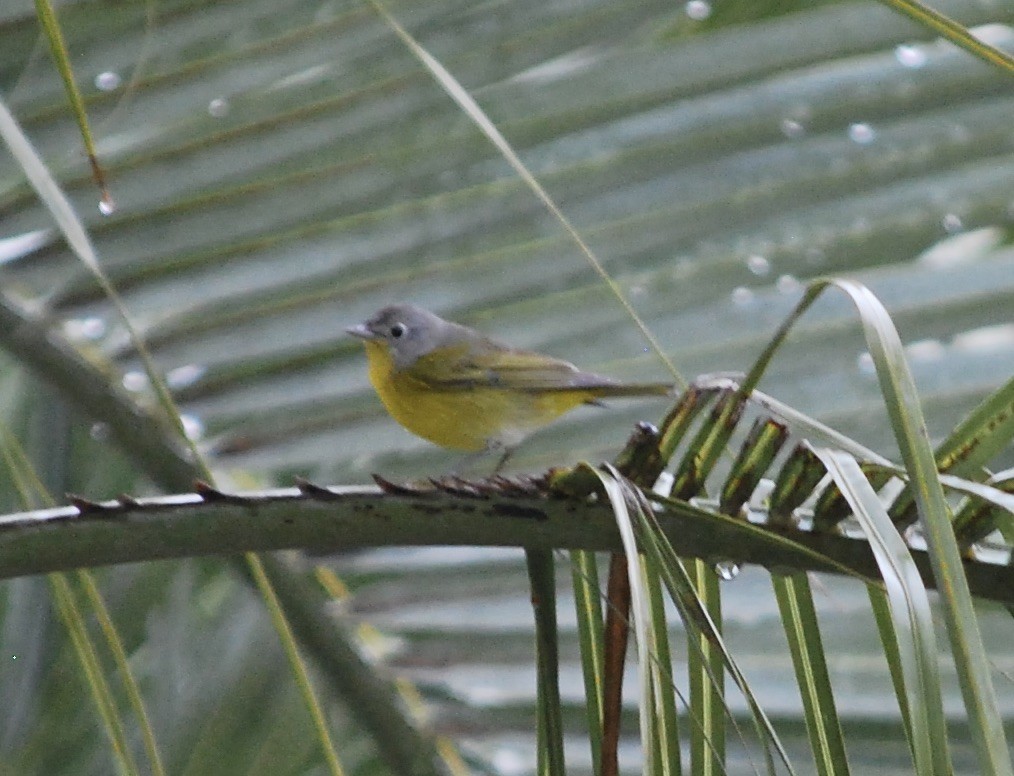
(862,133)
(99,432)
(727,570)
(698,10)
(788,284)
(758,265)
(135,381)
(192,426)
(106,206)
(952,223)
(910,56)
(864,363)
(182,376)
(792,128)
(91,328)
(218,108)
(108,81)
(742,296)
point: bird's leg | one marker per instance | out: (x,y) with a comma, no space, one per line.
(507,451)
(469,460)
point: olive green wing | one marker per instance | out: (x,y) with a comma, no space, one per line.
(488,364)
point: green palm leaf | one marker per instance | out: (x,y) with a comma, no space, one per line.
(281,170)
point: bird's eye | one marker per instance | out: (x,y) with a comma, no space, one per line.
(398,330)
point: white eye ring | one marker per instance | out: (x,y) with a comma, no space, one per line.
(398,330)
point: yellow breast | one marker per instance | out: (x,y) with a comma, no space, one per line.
(463,418)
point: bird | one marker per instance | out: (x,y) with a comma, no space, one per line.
(461,390)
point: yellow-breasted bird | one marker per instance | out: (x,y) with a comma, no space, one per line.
(461,390)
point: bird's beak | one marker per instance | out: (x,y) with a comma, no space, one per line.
(360,330)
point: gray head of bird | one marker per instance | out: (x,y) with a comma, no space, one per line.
(410,332)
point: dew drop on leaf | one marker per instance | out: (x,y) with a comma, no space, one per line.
(952,223)
(698,10)
(758,265)
(910,56)
(861,133)
(792,128)
(218,108)
(788,284)
(742,296)
(108,81)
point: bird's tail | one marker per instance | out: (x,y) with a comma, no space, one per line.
(633,389)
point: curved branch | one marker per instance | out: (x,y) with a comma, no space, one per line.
(210,522)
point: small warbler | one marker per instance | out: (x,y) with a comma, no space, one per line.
(461,390)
